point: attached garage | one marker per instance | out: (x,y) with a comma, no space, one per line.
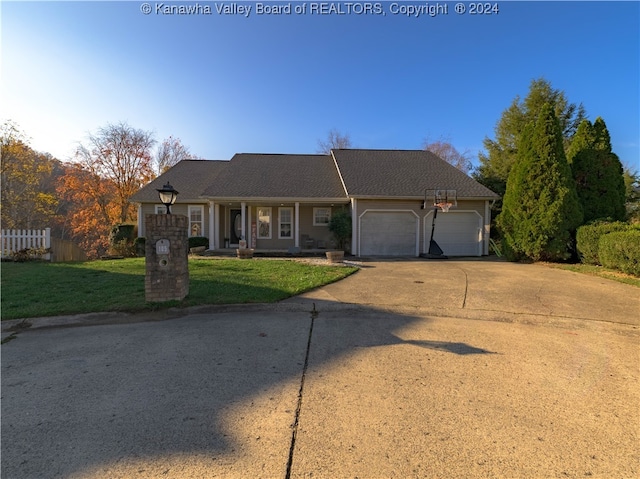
(389,233)
(458,233)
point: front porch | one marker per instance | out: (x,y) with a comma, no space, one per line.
(271,228)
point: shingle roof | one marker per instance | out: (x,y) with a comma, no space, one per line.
(365,173)
(402,174)
(252,175)
(189,177)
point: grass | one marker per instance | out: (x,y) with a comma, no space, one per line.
(49,289)
(600,271)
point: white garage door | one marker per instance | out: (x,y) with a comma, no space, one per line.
(388,233)
(458,233)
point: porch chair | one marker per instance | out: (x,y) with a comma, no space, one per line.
(307,242)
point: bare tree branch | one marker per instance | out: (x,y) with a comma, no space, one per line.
(121,154)
(334,140)
(443,148)
(170,152)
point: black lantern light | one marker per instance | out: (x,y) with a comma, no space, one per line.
(168,196)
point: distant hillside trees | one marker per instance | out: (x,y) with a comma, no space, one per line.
(28,199)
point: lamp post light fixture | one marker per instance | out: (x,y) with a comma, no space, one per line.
(168,196)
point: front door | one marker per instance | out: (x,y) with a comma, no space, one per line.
(235,222)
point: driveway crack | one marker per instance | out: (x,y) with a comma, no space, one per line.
(466,288)
(294,431)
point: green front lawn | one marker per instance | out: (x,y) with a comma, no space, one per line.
(48,289)
(598,271)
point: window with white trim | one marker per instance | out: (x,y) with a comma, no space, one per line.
(285,220)
(161,209)
(196,223)
(264,223)
(321,216)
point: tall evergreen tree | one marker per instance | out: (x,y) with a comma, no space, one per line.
(502,151)
(598,172)
(540,207)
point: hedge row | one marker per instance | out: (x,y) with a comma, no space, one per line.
(588,238)
(195,241)
(621,250)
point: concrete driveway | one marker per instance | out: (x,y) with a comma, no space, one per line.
(405,369)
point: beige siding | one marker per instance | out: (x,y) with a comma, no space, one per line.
(317,233)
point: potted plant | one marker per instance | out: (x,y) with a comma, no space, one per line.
(340,226)
(243,252)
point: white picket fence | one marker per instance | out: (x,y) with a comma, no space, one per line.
(16,240)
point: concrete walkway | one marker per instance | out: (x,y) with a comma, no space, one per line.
(406,369)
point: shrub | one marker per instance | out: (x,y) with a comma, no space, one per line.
(124,248)
(588,238)
(121,240)
(29,254)
(122,232)
(621,250)
(140,245)
(196,241)
(340,226)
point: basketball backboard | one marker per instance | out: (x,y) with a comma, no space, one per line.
(442,198)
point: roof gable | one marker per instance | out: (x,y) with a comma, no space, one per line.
(402,174)
(189,177)
(252,175)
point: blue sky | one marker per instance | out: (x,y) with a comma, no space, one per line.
(278,83)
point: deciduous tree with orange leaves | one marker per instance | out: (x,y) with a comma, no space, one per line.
(91,209)
(109,168)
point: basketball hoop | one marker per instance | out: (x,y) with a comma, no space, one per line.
(444,206)
(441,199)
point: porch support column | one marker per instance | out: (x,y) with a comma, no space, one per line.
(355,234)
(216,226)
(212,229)
(296,225)
(243,233)
(248,238)
(140,221)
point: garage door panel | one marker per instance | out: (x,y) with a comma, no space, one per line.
(457,233)
(385,233)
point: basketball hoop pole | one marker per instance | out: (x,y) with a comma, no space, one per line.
(433,226)
(435,252)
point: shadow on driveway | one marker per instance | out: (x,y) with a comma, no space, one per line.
(169,398)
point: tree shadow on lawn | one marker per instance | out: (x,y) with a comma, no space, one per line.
(152,398)
(57,289)
(230,292)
